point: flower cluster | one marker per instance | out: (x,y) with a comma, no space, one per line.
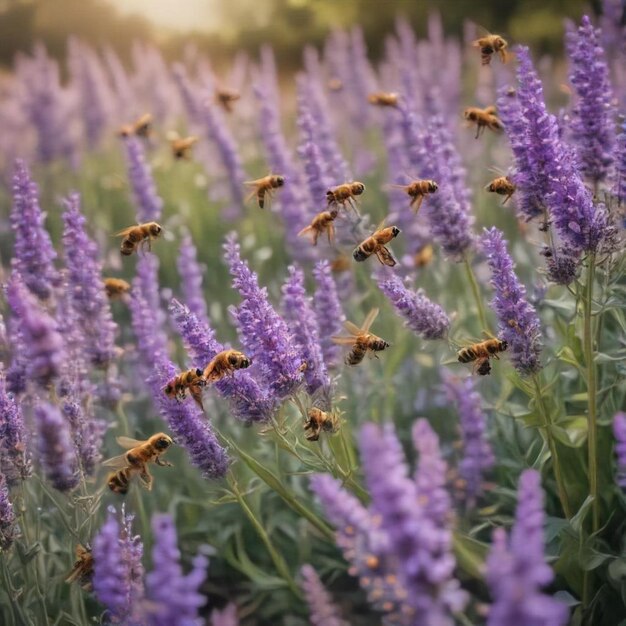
(619,430)
(322,611)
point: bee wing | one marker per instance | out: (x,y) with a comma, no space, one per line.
(307,230)
(384,256)
(117,462)
(353,329)
(123,233)
(343,341)
(369,320)
(128,442)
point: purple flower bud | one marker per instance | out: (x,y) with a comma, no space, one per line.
(298,311)
(425,318)
(8,528)
(148,203)
(54,445)
(226,617)
(33,253)
(619,430)
(322,610)
(262,331)
(593,127)
(620,166)
(174,598)
(191,272)
(477,456)
(518,322)
(42,342)
(84,286)
(118,572)
(516,570)
(15,462)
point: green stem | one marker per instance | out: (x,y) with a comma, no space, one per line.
(556,465)
(476,291)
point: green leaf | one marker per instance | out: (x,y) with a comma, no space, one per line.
(470,554)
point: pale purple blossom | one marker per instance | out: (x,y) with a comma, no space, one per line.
(619,430)
(328,312)
(322,610)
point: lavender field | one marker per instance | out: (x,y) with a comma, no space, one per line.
(363,335)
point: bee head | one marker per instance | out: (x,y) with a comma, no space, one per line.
(199,372)
(498,42)
(245,362)
(395,231)
(433,186)
(163,442)
(280,181)
(503,345)
(168,389)
(470,115)
(155,229)
(358,188)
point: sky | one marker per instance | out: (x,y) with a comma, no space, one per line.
(175,14)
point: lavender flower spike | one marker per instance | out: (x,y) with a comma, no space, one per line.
(54,445)
(263,332)
(148,204)
(328,312)
(190,272)
(8,529)
(593,125)
(84,286)
(14,459)
(174,598)
(322,611)
(425,318)
(34,255)
(518,322)
(118,572)
(517,571)
(620,167)
(619,430)
(226,617)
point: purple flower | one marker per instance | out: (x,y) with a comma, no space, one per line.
(174,598)
(300,317)
(477,453)
(84,286)
(592,125)
(619,430)
(248,401)
(8,528)
(118,572)
(425,318)
(328,312)
(15,463)
(42,342)
(191,272)
(620,166)
(263,332)
(322,610)
(54,445)
(516,569)
(33,252)
(226,617)
(148,203)
(518,322)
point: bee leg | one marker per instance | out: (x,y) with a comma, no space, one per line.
(159,461)
(316,234)
(419,199)
(477,132)
(145,478)
(330,234)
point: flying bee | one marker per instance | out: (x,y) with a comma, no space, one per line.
(116,287)
(141,127)
(483,118)
(375,244)
(340,264)
(322,222)
(226,97)
(140,234)
(82,571)
(418,190)
(489,45)
(136,460)
(265,186)
(191,381)
(223,363)
(318,421)
(480,354)
(424,256)
(361,339)
(383,99)
(181,147)
(345,193)
(502,186)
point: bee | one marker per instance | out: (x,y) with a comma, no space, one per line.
(191,381)
(181,147)
(140,234)
(345,193)
(375,244)
(424,256)
(83,568)
(383,99)
(489,45)
(226,97)
(141,127)
(340,264)
(265,185)
(480,354)
(483,118)
(116,287)
(223,363)
(322,222)
(417,190)
(136,460)
(502,186)
(361,339)
(318,421)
